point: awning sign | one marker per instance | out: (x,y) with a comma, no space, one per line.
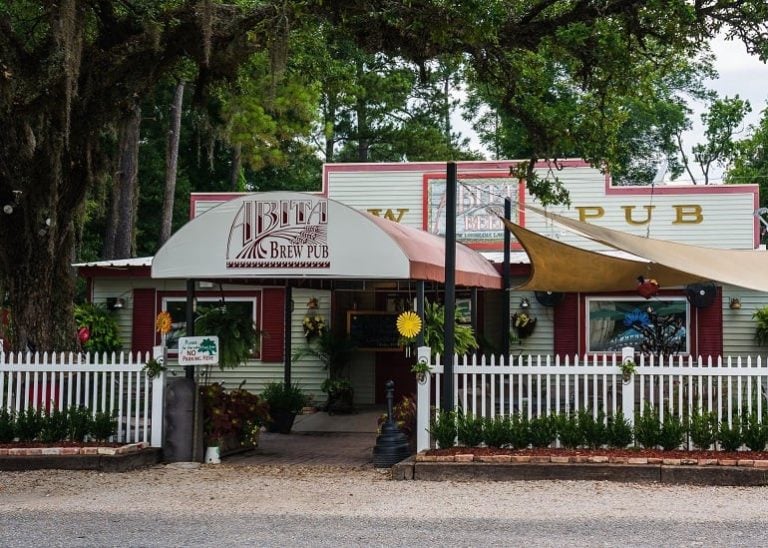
(199,350)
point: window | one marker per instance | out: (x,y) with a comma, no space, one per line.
(657,326)
(176,307)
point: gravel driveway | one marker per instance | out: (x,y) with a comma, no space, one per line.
(326,506)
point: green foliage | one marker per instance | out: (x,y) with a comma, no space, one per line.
(104,333)
(7,426)
(28,424)
(754,432)
(333,349)
(761,325)
(238,338)
(703,428)
(469,429)
(103,426)
(648,427)
(568,431)
(434,332)
(443,428)
(55,426)
(282,397)
(79,420)
(750,162)
(619,431)
(543,430)
(153,367)
(594,429)
(672,432)
(730,436)
(519,432)
(497,431)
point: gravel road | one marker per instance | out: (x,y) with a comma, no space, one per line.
(325,506)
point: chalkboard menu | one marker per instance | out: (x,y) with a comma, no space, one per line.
(370,330)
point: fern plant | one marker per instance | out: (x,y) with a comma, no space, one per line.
(434,332)
(761,325)
(238,338)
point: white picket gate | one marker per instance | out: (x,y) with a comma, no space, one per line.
(545,385)
(115,384)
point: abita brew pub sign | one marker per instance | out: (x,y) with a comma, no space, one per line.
(290,233)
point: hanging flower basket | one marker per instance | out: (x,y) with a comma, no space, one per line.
(523,324)
(647,288)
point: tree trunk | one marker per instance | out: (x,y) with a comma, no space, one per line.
(171,164)
(237,166)
(122,221)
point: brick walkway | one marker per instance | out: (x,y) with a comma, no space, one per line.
(344,449)
(319,439)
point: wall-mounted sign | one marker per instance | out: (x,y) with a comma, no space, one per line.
(478,201)
(290,233)
(199,350)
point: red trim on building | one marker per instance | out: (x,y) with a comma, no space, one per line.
(144,313)
(273,325)
(709,335)
(114,272)
(566,326)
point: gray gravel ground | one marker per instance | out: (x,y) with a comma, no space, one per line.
(325,506)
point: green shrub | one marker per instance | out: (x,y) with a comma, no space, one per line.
(28,424)
(496,431)
(571,436)
(101,323)
(730,436)
(702,428)
(282,397)
(519,432)
(543,430)
(7,426)
(648,428)
(672,432)
(619,431)
(469,429)
(103,426)
(55,426)
(443,428)
(593,429)
(754,433)
(79,419)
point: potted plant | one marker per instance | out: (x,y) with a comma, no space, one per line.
(238,337)
(229,417)
(524,324)
(334,351)
(285,402)
(340,396)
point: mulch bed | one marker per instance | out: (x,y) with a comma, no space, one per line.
(36,444)
(631,453)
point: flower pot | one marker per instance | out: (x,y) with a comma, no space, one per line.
(212,455)
(282,421)
(340,402)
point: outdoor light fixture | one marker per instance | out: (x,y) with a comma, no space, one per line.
(524,303)
(115,303)
(734,303)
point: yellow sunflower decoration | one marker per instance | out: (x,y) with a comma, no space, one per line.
(408,324)
(163,323)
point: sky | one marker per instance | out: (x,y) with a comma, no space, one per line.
(739,73)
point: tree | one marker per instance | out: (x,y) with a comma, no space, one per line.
(721,123)
(750,161)
(69,71)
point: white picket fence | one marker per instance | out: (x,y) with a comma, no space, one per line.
(115,384)
(545,385)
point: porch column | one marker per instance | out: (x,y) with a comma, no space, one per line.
(505,274)
(450,283)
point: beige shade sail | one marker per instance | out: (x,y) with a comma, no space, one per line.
(556,266)
(742,268)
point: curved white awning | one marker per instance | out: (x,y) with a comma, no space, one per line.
(294,235)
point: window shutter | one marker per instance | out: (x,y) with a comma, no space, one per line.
(710,328)
(566,326)
(143,334)
(273,324)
